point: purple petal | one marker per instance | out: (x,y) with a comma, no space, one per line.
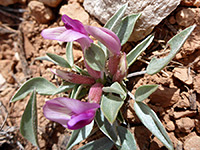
(81,120)
(73,78)
(74,24)
(107,37)
(95,93)
(62,34)
(63,109)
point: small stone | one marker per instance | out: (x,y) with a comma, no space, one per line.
(190,3)
(165,96)
(187,113)
(184,101)
(174,140)
(2,82)
(197,125)
(185,125)
(185,17)
(172,20)
(170,126)
(156,144)
(10,2)
(143,141)
(75,11)
(42,13)
(51,3)
(182,74)
(197,83)
(192,143)
(29,49)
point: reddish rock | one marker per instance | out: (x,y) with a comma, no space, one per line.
(190,3)
(197,83)
(75,11)
(197,125)
(170,126)
(192,143)
(51,3)
(143,141)
(182,74)
(42,13)
(187,113)
(184,101)
(185,125)
(156,144)
(185,17)
(165,96)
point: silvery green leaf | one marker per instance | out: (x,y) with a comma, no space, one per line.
(150,120)
(108,129)
(127,139)
(110,106)
(157,64)
(117,89)
(69,53)
(95,57)
(79,135)
(41,85)
(126,27)
(100,144)
(76,91)
(114,22)
(144,91)
(58,60)
(28,125)
(64,87)
(141,47)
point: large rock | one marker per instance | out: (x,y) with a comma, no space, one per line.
(51,3)
(153,12)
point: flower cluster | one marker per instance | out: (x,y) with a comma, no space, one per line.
(72,113)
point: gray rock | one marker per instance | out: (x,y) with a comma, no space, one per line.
(153,12)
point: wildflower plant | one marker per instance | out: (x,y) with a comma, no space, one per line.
(102,84)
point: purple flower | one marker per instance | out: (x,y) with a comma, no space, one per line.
(74,30)
(70,113)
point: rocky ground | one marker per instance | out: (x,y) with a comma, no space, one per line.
(176,102)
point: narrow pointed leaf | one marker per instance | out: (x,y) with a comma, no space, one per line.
(141,47)
(64,87)
(150,120)
(156,65)
(110,106)
(69,53)
(127,139)
(117,89)
(58,60)
(114,22)
(28,126)
(79,135)
(108,129)
(100,144)
(144,92)
(95,57)
(41,85)
(126,27)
